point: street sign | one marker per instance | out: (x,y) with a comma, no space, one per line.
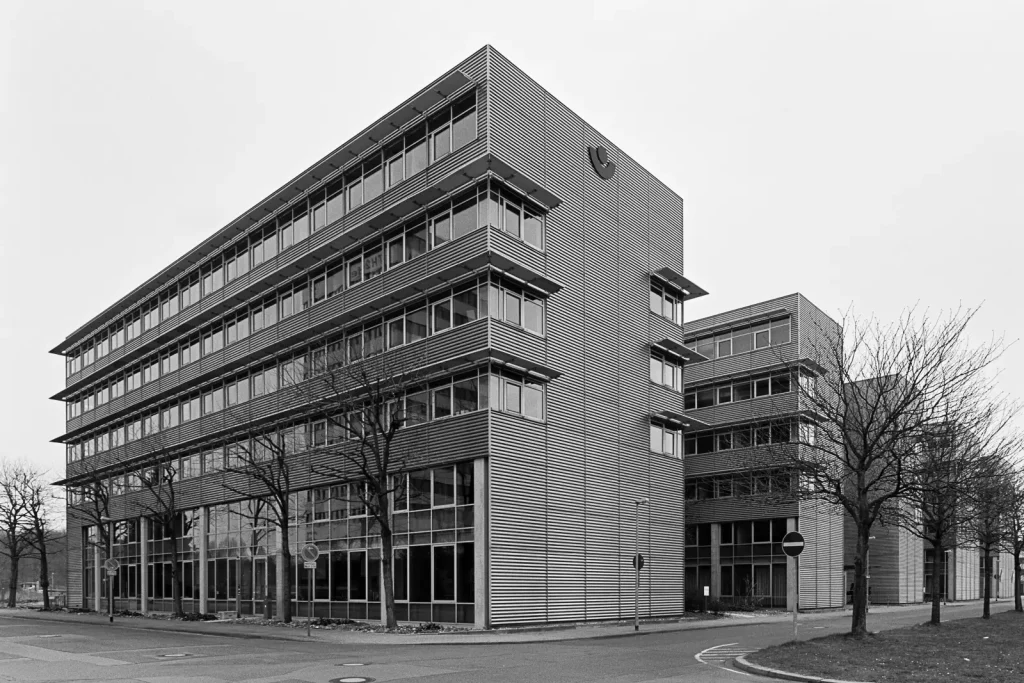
(309,565)
(707,591)
(793,543)
(309,554)
(111,565)
(638,558)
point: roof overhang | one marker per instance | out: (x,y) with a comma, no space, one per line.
(678,349)
(687,422)
(689,289)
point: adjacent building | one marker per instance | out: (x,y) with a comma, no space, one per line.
(746,398)
(486,234)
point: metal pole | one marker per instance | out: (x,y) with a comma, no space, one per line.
(309,601)
(796,599)
(636,566)
(110,578)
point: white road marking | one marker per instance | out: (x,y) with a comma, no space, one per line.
(720,654)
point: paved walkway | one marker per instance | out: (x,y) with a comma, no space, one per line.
(521,635)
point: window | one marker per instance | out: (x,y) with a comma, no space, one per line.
(665,440)
(513,310)
(441,315)
(464,307)
(513,397)
(667,305)
(533,315)
(533,400)
(440,143)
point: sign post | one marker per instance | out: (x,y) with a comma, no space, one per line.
(638,559)
(309,554)
(793,545)
(707,592)
(111,565)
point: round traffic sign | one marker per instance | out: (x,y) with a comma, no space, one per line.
(793,543)
(309,553)
(111,565)
(638,558)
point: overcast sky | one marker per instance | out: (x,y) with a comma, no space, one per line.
(860,153)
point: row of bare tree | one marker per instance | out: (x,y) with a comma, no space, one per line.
(361,407)
(912,431)
(29,513)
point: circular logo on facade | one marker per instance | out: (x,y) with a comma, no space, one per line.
(604,167)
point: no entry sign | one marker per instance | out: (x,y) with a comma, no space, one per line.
(793,543)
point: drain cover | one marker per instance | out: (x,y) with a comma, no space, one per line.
(177,654)
(351,679)
(353,664)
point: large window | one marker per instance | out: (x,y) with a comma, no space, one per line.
(743,339)
(739,390)
(745,436)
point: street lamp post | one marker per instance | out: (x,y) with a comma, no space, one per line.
(636,561)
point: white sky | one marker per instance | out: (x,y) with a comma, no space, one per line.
(865,153)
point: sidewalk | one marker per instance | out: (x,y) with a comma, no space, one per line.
(499,635)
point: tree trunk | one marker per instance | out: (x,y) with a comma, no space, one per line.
(937,589)
(12,596)
(986,610)
(44,574)
(176,606)
(1016,583)
(284,571)
(386,557)
(859,626)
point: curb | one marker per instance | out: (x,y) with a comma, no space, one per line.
(742,664)
(533,635)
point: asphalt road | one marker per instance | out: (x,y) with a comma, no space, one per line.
(34,650)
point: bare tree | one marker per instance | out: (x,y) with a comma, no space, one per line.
(91,501)
(990,496)
(1013,538)
(268,468)
(364,403)
(40,532)
(15,519)
(159,505)
(883,388)
(951,468)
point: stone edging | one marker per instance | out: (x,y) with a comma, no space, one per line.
(743,665)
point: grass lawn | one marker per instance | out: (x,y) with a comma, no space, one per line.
(962,650)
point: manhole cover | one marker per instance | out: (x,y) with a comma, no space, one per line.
(351,679)
(177,654)
(353,664)
(51,635)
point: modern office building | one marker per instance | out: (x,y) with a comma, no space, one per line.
(484,233)
(745,397)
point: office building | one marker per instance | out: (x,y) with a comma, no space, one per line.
(481,231)
(745,398)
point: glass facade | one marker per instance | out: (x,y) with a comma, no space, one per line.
(434,552)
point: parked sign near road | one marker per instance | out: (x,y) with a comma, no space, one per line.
(111,565)
(793,543)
